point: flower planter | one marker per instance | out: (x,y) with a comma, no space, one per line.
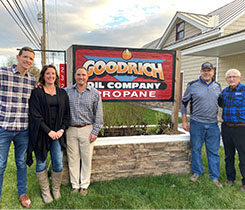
(126,156)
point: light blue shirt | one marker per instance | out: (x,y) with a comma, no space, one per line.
(86,107)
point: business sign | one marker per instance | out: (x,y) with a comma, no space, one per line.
(62,75)
(128,74)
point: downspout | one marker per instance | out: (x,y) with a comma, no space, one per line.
(217,69)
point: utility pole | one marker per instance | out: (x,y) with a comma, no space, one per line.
(44,34)
(53,54)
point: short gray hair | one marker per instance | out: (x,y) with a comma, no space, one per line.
(235,70)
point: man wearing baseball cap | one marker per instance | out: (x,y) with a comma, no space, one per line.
(203,95)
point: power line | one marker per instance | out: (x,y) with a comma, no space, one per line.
(22,23)
(36,6)
(27,21)
(33,16)
(28,35)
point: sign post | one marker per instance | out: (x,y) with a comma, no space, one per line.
(175,107)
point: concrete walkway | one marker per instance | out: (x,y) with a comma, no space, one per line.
(166,111)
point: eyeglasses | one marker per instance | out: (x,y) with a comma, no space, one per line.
(232,77)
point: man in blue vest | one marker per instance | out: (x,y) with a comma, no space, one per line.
(203,95)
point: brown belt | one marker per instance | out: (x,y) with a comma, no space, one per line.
(79,126)
(235,125)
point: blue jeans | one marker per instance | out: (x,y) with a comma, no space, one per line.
(210,134)
(56,158)
(20,139)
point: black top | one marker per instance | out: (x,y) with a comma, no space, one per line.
(53,105)
(41,109)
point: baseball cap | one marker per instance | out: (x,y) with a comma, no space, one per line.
(207,65)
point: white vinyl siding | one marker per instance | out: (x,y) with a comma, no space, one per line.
(229,62)
(188,32)
(191,66)
(171,38)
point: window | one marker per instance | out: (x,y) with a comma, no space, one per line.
(180,30)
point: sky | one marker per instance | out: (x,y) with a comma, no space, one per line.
(113,23)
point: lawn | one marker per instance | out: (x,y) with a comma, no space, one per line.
(159,192)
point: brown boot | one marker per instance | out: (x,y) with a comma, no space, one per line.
(56,181)
(42,178)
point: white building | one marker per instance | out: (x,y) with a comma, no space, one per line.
(217,37)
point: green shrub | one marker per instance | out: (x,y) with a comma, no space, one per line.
(130,116)
(164,125)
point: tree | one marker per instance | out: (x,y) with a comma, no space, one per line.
(11,60)
(35,71)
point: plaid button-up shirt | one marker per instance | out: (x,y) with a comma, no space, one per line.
(86,107)
(233,104)
(15,92)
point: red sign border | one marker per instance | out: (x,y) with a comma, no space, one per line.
(173,52)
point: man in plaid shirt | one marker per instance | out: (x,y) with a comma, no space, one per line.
(86,122)
(233,127)
(16,84)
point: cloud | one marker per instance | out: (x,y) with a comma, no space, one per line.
(116,23)
(119,23)
(125,35)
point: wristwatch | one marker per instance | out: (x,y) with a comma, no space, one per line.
(62,130)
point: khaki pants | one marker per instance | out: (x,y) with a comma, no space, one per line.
(79,154)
